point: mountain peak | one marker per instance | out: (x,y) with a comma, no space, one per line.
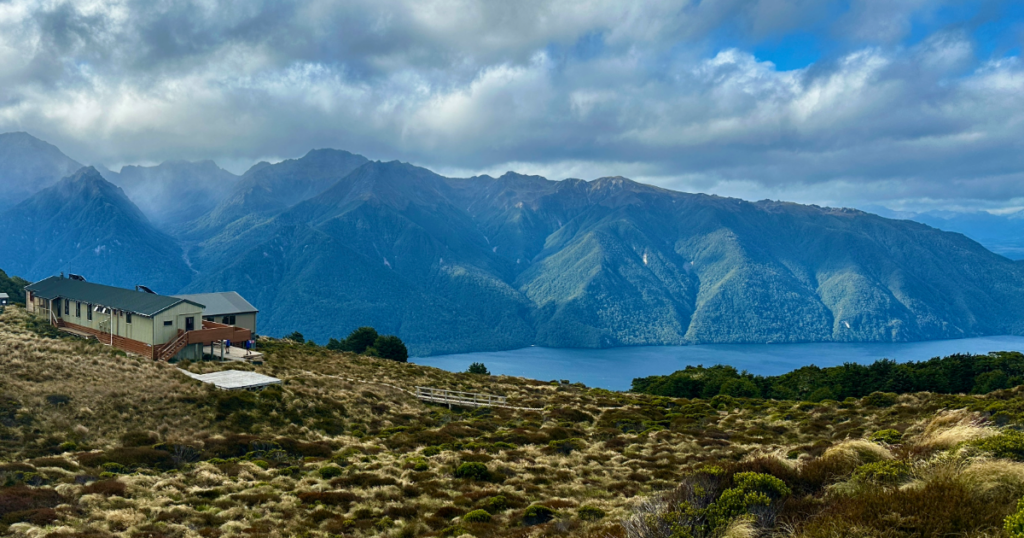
(86,173)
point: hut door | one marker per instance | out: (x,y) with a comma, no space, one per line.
(190,324)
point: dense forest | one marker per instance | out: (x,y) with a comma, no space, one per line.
(955,374)
(13,287)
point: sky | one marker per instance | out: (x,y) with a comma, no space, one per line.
(906,104)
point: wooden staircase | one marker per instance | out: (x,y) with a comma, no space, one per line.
(170,349)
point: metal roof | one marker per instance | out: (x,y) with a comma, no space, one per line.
(223,303)
(4,296)
(234,379)
(137,302)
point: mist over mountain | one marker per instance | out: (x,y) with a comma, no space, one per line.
(332,241)
(175,191)
(28,165)
(86,225)
(266,189)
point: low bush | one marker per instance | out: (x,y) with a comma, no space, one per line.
(477,516)
(23,498)
(139,438)
(538,514)
(889,437)
(105,487)
(496,504)
(880,399)
(885,472)
(1014,523)
(448,512)
(330,471)
(567,446)
(473,471)
(1008,444)
(590,513)
(59,463)
(363,480)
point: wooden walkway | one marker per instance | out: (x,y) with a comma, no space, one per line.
(494,401)
(461,399)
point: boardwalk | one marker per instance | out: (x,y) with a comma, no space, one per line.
(461,399)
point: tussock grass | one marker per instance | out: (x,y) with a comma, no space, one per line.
(99,443)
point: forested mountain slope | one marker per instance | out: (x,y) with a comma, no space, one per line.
(482,263)
(86,225)
(28,165)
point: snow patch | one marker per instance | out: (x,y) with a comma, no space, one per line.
(387,263)
(99,249)
(645,258)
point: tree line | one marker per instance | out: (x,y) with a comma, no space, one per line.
(364,341)
(954,374)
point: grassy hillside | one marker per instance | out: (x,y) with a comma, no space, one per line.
(95,443)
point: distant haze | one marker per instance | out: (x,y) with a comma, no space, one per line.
(912,105)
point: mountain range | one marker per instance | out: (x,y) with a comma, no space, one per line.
(332,241)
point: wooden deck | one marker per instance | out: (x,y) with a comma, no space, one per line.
(235,379)
(460,399)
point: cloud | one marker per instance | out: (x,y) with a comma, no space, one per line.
(667,92)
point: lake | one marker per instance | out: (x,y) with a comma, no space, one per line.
(615,368)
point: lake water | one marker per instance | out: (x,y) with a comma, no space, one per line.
(615,368)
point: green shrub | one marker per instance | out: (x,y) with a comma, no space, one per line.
(889,437)
(590,513)
(537,514)
(880,399)
(496,504)
(330,471)
(473,470)
(1014,523)
(1008,444)
(296,337)
(478,368)
(477,516)
(567,446)
(885,472)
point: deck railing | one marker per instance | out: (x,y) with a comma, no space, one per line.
(454,397)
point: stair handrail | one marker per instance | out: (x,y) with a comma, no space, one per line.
(173,345)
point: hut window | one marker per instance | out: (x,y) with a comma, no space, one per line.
(128,317)
(168,323)
(67,307)
(78,309)
(88,312)
(228,320)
